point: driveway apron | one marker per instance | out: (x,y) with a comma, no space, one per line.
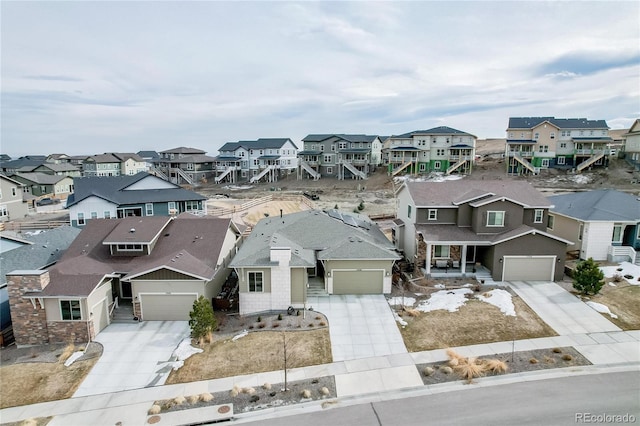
(360,326)
(134,356)
(563,311)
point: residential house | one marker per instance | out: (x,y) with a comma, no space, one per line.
(632,145)
(603,224)
(185,166)
(265,158)
(440,149)
(155,267)
(5,157)
(45,185)
(33,251)
(535,143)
(58,158)
(286,258)
(113,164)
(26,163)
(12,205)
(124,196)
(458,226)
(59,169)
(341,156)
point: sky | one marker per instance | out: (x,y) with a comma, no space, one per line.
(118,76)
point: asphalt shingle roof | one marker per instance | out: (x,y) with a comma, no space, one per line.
(41,178)
(347,137)
(598,205)
(262,143)
(562,123)
(441,130)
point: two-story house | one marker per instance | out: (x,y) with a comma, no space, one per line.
(185,166)
(43,184)
(342,156)
(265,158)
(12,205)
(535,143)
(60,169)
(457,226)
(632,145)
(114,164)
(440,149)
(124,196)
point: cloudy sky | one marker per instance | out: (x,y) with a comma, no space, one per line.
(91,77)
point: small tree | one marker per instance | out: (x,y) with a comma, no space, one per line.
(203,321)
(361,206)
(588,278)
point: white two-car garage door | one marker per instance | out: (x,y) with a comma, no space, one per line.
(357,282)
(167,307)
(528,268)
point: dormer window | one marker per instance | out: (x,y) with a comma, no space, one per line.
(495,218)
(432,214)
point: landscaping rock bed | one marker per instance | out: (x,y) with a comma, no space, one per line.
(522,361)
(256,398)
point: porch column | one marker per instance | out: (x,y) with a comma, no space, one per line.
(427,260)
(463,259)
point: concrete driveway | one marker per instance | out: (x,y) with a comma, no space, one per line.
(360,326)
(134,356)
(563,311)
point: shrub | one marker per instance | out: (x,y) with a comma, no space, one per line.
(193,399)
(412,312)
(588,278)
(454,355)
(275,325)
(279,317)
(155,409)
(533,361)
(306,393)
(206,397)
(298,313)
(549,360)
(454,361)
(567,357)
(202,319)
(335,207)
(617,278)
(261,325)
(427,371)
(322,323)
(318,317)
(495,366)
(259,319)
(254,398)
(266,386)
(445,369)
(310,325)
(557,350)
(469,369)
(249,391)
(179,400)
(324,391)
(361,206)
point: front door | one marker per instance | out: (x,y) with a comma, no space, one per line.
(125,290)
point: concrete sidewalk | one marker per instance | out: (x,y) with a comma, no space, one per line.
(563,311)
(384,376)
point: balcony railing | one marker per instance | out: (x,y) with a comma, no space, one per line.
(590,151)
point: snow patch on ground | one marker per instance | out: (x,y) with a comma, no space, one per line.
(402,322)
(431,177)
(182,352)
(440,286)
(627,269)
(74,356)
(240,336)
(450,300)
(402,301)
(602,309)
(501,299)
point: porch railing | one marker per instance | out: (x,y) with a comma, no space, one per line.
(621,251)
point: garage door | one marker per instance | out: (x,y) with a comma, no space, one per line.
(357,282)
(167,307)
(100,315)
(528,268)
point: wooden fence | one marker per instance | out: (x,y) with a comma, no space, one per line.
(33,225)
(219,211)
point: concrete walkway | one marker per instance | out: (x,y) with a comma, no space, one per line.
(360,326)
(563,311)
(134,356)
(385,377)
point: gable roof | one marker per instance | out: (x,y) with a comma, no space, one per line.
(113,189)
(41,178)
(7,178)
(452,193)
(311,231)
(599,205)
(59,167)
(190,246)
(561,123)
(183,150)
(153,155)
(441,130)
(347,137)
(262,143)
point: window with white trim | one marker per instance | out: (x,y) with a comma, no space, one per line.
(70,310)
(148,207)
(436,165)
(495,218)
(538,215)
(94,215)
(3,211)
(81,219)
(107,214)
(617,234)
(409,211)
(580,231)
(441,252)
(561,161)
(329,170)
(432,214)
(255,281)
(550,220)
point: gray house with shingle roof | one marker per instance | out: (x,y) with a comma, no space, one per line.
(327,252)
(40,184)
(440,149)
(456,225)
(604,224)
(125,196)
(535,143)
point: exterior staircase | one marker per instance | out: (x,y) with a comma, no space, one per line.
(183,175)
(637,259)
(401,168)
(589,161)
(259,176)
(525,163)
(123,313)
(316,287)
(455,166)
(157,172)
(354,170)
(309,170)
(225,173)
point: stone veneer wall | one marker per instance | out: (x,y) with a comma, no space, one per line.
(70,331)
(137,311)
(421,255)
(29,322)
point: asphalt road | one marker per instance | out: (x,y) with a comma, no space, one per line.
(563,401)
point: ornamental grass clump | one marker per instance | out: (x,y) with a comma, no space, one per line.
(495,366)
(469,369)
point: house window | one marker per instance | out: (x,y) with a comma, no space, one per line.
(13,191)
(536,136)
(433,214)
(545,163)
(81,219)
(617,234)
(191,205)
(255,281)
(552,135)
(94,215)
(107,214)
(422,167)
(409,211)
(538,214)
(189,166)
(329,170)
(436,165)
(550,221)
(580,231)
(129,247)
(327,159)
(543,148)
(321,147)
(440,152)
(172,206)
(441,252)
(3,211)
(561,161)
(148,207)
(70,310)
(495,218)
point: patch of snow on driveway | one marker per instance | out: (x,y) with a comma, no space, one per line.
(501,299)
(450,300)
(602,309)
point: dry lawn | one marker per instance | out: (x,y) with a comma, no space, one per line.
(256,353)
(475,322)
(272,208)
(622,300)
(30,383)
